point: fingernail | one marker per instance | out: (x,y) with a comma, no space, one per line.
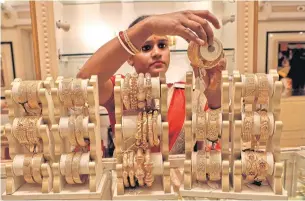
(200,42)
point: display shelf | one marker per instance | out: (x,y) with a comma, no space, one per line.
(155,192)
(76,192)
(204,191)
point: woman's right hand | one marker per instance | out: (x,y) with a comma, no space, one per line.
(190,25)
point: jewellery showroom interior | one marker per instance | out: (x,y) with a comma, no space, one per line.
(58,142)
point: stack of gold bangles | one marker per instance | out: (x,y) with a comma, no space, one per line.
(147,130)
(26,93)
(214,166)
(137,91)
(255,166)
(31,168)
(25,130)
(72,168)
(73,92)
(213,125)
(77,130)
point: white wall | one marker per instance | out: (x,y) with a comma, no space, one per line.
(267,26)
(92,25)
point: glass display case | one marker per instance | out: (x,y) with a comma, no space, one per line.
(298,188)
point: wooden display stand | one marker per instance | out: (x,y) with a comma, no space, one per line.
(15,182)
(275,188)
(192,187)
(125,129)
(90,162)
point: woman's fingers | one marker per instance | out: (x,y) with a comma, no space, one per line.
(205,26)
(205,14)
(195,27)
(188,35)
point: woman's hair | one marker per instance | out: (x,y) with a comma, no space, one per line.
(139,19)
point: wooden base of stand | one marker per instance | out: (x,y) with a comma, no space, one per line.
(155,192)
(73,192)
(202,190)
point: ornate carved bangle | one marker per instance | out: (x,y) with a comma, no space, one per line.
(31,133)
(150,129)
(262,166)
(84,90)
(32,94)
(141,92)
(131,172)
(68,168)
(79,131)
(201,165)
(148,165)
(144,131)
(140,174)
(27,169)
(77,178)
(251,165)
(125,170)
(129,43)
(264,125)
(65,92)
(22,92)
(126,91)
(133,91)
(37,161)
(148,88)
(71,136)
(20,127)
(138,136)
(263,88)
(214,167)
(247,126)
(249,88)
(155,128)
(77,93)
(200,126)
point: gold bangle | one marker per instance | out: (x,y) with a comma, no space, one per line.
(68,168)
(262,166)
(77,178)
(79,130)
(20,127)
(31,133)
(37,161)
(200,126)
(131,169)
(247,127)
(251,165)
(126,91)
(214,167)
(264,125)
(250,87)
(150,129)
(148,166)
(141,92)
(133,91)
(77,93)
(155,128)
(22,92)
(71,125)
(32,94)
(144,131)
(125,170)
(138,136)
(129,43)
(65,90)
(201,165)
(263,88)
(148,89)
(27,169)
(140,174)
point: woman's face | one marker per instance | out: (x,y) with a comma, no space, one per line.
(154,56)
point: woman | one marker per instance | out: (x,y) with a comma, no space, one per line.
(148,34)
